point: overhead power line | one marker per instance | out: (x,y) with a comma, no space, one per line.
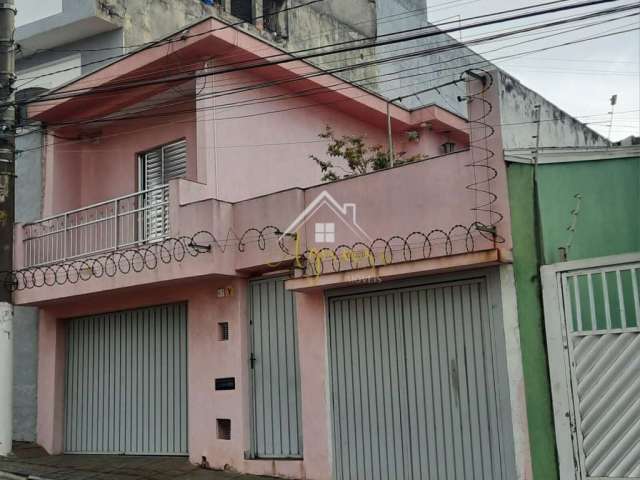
(167,70)
(288,59)
(221,93)
(361,43)
(69,141)
(311,91)
(181,36)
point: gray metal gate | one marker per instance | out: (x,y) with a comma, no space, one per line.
(601,313)
(276,415)
(418,385)
(126,382)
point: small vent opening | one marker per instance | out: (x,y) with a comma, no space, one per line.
(224,428)
(223,331)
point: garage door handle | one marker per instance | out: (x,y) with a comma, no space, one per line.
(252,361)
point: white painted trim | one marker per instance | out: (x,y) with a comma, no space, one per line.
(569,155)
(508,301)
(591,263)
(558,372)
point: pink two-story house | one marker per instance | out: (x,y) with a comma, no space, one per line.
(203,293)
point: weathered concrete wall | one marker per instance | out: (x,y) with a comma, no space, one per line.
(144,21)
(357,15)
(426,70)
(518,119)
(335,23)
(25,360)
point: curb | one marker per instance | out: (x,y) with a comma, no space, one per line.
(11,476)
(14,476)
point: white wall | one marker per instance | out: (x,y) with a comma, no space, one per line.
(51,74)
(32,10)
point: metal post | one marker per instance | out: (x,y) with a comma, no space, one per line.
(7,207)
(391,153)
(66,237)
(116,227)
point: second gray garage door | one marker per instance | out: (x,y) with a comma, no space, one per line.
(418,385)
(126,382)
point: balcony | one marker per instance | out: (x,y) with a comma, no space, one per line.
(138,218)
(412,230)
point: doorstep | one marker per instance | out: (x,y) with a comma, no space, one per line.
(31,462)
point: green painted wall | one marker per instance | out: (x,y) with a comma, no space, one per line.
(531,322)
(608,220)
(606,223)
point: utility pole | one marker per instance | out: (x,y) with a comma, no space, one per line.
(613,100)
(7,208)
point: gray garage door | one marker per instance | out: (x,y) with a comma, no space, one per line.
(276,416)
(417,385)
(126,382)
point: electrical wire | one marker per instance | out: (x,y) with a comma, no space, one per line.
(346,68)
(289,96)
(69,93)
(227,55)
(284,110)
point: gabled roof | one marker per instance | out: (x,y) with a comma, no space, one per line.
(135,78)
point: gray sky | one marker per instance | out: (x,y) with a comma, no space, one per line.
(579,78)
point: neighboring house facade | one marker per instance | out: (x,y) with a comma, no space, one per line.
(201,294)
(574,214)
(188,320)
(64,39)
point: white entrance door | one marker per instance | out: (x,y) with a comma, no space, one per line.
(592,310)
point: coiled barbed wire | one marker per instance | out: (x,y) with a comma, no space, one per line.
(129,260)
(413,246)
(478,147)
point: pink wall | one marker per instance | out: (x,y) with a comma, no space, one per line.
(83,172)
(422,196)
(208,359)
(264,147)
(239,151)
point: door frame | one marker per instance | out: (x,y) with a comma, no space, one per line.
(250,452)
(502,303)
(562,391)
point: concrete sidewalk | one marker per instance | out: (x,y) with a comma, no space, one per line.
(31,462)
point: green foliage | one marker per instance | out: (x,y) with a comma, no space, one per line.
(359,157)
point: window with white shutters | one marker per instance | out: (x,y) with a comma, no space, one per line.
(163,164)
(157,167)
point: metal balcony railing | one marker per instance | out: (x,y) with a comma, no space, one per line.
(139,218)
